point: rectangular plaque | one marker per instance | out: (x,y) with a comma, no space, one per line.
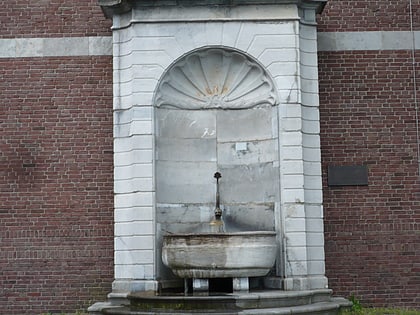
(347,175)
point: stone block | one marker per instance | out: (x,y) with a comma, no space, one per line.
(309,59)
(310,114)
(292,195)
(296,254)
(313,182)
(183,213)
(133,214)
(294,225)
(133,171)
(189,227)
(100,45)
(279,55)
(147,85)
(8,48)
(321,282)
(291,167)
(126,88)
(291,138)
(252,152)
(133,157)
(308,45)
(134,228)
(311,154)
(314,225)
(316,267)
(136,199)
(287,82)
(293,181)
(293,210)
(180,149)
(134,113)
(185,124)
(295,239)
(138,242)
(133,184)
(309,99)
(135,271)
(315,239)
(131,257)
(309,85)
(316,253)
(213,33)
(152,71)
(134,142)
(245,125)
(291,153)
(149,43)
(280,68)
(291,124)
(309,72)
(289,95)
(249,183)
(262,41)
(28,47)
(147,57)
(296,269)
(311,140)
(363,40)
(248,217)
(240,284)
(230,33)
(185,182)
(313,196)
(140,127)
(312,168)
(66,46)
(314,211)
(126,285)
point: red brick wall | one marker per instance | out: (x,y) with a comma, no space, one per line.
(52,18)
(372,232)
(56,178)
(369,15)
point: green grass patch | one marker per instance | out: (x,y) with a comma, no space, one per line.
(380,311)
(358,309)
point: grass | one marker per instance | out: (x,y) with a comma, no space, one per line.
(358,309)
(380,311)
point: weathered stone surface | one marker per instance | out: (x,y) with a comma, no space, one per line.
(249,183)
(185,124)
(245,125)
(220,255)
(247,152)
(199,150)
(185,182)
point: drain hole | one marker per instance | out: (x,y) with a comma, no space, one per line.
(220,285)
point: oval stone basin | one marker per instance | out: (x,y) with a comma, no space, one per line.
(220,255)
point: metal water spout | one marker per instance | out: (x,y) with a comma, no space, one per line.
(217,223)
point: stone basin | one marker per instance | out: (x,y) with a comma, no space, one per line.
(220,255)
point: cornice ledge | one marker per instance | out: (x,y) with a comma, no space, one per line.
(116,7)
(317,5)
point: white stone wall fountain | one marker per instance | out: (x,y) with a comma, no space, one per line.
(204,87)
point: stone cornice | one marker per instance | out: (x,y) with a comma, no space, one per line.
(117,7)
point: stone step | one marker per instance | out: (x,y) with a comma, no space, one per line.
(315,302)
(249,300)
(320,308)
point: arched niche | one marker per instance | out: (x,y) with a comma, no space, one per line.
(215,110)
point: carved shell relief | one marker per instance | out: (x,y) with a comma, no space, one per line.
(215,78)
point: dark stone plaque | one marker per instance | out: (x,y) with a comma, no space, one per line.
(347,175)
